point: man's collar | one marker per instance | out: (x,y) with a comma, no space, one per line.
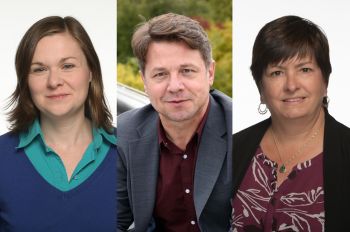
(162,138)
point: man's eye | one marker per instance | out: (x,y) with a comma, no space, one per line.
(159,75)
(187,70)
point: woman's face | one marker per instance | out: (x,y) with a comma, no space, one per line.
(294,88)
(59,76)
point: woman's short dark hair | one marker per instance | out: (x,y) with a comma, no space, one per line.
(24,110)
(285,38)
(174,28)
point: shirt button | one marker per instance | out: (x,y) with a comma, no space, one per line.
(184,156)
(75,177)
(193,222)
(273,201)
(187,191)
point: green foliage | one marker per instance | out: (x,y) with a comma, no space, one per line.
(133,12)
(128,74)
(214,15)
(221,10)
(220,36)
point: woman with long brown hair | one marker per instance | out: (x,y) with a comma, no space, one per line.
(57,163)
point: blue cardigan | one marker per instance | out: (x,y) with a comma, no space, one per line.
(29,203)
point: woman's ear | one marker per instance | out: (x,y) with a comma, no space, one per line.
(262,99)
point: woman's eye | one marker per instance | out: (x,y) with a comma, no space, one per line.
(305,70)
(68,66)
(38,69)
(276,73)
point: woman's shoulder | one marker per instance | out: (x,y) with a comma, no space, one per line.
(253,130)
(8,143)
(335,127)
(8,138)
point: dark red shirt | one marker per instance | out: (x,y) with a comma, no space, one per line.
(174,209)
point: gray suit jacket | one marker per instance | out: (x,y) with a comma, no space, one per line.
(138,162)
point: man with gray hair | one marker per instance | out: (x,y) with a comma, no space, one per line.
(175,154)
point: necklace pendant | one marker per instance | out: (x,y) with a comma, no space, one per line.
(282,169)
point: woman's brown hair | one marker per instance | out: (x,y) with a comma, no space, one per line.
(24,111)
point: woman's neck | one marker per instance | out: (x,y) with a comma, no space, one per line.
(66,131)
(297,129)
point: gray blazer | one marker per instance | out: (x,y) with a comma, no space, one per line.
(138,162)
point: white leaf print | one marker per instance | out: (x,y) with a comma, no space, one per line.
(254,201)
(300,220)
(302,199)
(261,177)
(245,212)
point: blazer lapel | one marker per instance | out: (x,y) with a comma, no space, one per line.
(210,158)
(144,163)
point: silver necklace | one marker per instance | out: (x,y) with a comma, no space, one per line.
(283,168)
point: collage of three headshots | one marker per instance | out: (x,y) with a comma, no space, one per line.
(174,116)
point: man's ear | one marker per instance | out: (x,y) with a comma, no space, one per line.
(211,72)
(144,81)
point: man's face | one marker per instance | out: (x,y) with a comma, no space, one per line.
(177,81)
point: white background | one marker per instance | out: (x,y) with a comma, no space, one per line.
(97,17)
(249,16)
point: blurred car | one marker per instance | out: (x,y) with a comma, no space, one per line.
(129,98)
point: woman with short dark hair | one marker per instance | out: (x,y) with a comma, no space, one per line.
(290,171)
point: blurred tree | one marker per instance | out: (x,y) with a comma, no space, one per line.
(214,15)
(220,36)
(220,10)
(132,12)
(128,74)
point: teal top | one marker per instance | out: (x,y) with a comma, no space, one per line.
(50,166)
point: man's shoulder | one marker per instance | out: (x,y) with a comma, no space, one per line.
(133,119)
(222,99)
(220,102)
(136,115)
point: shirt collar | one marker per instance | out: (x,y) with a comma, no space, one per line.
(99,134)
(25,138)
(162,138)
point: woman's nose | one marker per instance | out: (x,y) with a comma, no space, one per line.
(54,79)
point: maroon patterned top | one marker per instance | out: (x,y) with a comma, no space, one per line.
(296,205)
